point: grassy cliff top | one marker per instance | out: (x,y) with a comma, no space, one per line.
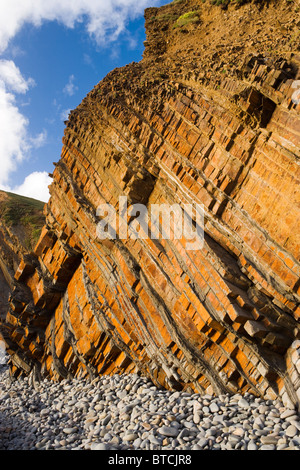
(23,216)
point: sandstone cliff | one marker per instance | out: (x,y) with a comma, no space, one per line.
(208,116)
(21,221)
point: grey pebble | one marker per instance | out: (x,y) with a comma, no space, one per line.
(128,412)
(70,430)
(154,440)
(130,437)
(291,431)
(268,447)
(270,439)
(251,445)
(287,413)
(168,431)
(214,408)
(242,403)
(100,446)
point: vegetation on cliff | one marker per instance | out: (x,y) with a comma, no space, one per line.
(22,213)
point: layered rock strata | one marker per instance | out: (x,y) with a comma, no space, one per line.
(21,221)
(204,118)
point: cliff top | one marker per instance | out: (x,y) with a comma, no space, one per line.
(218,39)
(23,217)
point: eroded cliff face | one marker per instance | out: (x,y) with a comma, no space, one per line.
(210,117)
(21,220)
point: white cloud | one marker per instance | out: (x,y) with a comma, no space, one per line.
(12,79)
(13,134)
(38,141)
(70,88)
(104,19)
(64,115)
(87,59)
(15,142)
(35,186)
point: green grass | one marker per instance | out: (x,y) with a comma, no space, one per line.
(226,2)
(23,212)
(166,17)
(187,18)
(20,209)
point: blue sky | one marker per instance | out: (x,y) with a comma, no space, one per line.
(51,55)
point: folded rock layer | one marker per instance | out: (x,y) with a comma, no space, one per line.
(209,116)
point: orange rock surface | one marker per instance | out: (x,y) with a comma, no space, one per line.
(21,220)
(209,117)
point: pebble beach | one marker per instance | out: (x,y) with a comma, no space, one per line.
(130,413)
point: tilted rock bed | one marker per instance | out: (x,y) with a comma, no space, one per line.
(208,117)
(129,413)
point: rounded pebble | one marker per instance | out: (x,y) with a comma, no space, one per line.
(129,413)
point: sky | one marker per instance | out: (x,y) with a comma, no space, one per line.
(52,53)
